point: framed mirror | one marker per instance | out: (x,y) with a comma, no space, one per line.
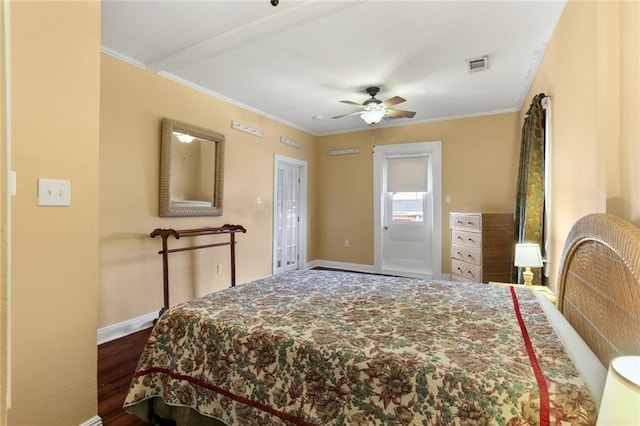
(191,170)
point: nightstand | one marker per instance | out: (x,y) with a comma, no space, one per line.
(546,291)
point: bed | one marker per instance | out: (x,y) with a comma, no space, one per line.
(336,348)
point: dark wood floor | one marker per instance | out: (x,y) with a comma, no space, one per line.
(116,363)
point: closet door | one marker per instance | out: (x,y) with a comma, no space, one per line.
(287,218)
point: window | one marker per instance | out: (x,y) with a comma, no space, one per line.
(407,206)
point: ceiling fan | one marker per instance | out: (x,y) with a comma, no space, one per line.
(374,110)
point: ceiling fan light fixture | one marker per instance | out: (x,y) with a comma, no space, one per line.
(374,110)
(372,114)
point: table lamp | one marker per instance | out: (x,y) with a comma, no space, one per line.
(620,403)
(528,256)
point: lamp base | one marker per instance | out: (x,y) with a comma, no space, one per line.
(527,275)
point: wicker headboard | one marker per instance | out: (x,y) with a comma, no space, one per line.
(599,285)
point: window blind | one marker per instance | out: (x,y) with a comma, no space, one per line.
(407,174)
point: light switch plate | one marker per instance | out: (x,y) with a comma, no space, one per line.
(54,192)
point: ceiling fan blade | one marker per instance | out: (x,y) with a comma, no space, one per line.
(348,115)
(393,101)
(352,103)
(400,113)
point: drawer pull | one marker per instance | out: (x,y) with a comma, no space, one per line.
(459,254)
(460,222)
(460,269)
(469,223)
(470,257)
(460,238)
(471,239)
(471,273)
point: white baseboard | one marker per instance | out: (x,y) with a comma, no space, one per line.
(341,265)
(93,421)
(116,331)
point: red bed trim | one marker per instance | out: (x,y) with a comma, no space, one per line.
(542,383)
(284,416)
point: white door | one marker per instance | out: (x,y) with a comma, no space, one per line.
(407,234)
(289,214)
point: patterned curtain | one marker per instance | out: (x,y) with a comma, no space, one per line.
(529,208)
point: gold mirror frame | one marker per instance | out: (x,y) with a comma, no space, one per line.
(168,174)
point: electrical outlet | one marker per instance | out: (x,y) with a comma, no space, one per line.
(219,268)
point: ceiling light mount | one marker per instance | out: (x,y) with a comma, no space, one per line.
(372,91)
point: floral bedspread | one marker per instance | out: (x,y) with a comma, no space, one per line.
(333,348)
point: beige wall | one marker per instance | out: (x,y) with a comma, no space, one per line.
(625,199)
(479,168)
(4,329)
(133,101)
(55,85)
(590,70)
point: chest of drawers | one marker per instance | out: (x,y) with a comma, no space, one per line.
(481,246)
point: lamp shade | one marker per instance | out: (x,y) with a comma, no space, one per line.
(528,255)
(372,114)
(620,403)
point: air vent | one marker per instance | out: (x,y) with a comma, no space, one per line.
(478,64)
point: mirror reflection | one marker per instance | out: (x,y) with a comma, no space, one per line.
(191,170)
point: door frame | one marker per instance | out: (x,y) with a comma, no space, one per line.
(434,150)
(302,209)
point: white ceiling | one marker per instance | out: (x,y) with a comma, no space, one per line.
(300,59)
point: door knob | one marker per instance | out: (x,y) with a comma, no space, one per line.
(385,227)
